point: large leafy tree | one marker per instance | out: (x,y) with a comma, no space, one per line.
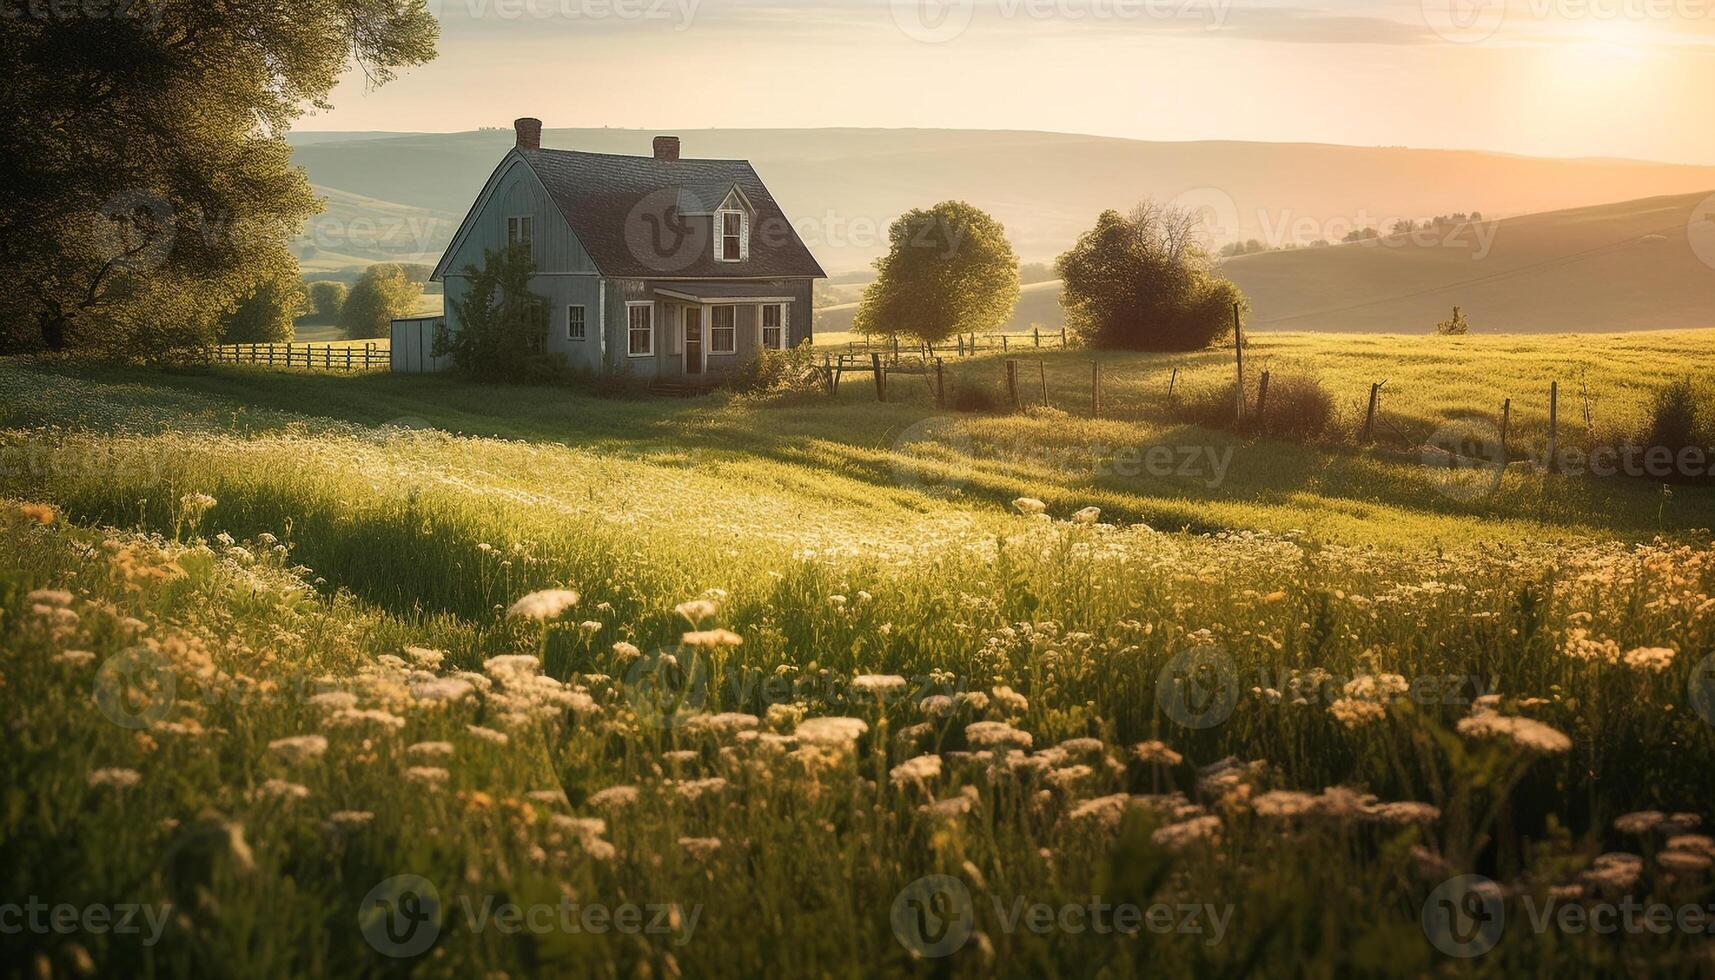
(949,269)
(503,326)
(265,316)
(148,187)
(1145,282)
(382,294)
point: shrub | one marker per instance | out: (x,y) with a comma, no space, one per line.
(503,326)
(1299,407)
(975,398)
(778,372)
(1143,282)
(265,315)
(1675,423)
(1458,326)
(327,298)
(382,294)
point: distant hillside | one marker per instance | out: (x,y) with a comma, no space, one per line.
(1627,266)
(843,186)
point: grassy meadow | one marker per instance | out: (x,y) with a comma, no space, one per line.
(391,674)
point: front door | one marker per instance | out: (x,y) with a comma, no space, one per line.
(693,340)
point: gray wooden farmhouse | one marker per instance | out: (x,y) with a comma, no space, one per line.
(671,269)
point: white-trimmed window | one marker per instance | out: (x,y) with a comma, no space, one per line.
(574,323)
(774,326)
(640,329)
(723,330)
(730,244)
(521,230)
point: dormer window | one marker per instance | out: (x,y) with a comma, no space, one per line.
(730,244)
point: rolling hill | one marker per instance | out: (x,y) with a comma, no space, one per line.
(843,186)
(1636,265)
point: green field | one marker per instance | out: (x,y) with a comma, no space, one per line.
(262,556)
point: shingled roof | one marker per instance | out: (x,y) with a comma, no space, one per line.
(629,212)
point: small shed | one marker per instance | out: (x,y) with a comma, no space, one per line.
(414,344)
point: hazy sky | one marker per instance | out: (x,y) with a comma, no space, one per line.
(1632,78)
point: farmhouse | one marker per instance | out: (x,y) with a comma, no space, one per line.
(673,269)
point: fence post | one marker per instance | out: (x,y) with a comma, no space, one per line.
(1095,389)
(1062,338)
(1262,402)
(940,385)
(1003,341)
(1170,384)
(1036,335)
(1012,383)
(1506,420)
(1239,359)
(880,385)
(1553,426)
(961,345)
(1370,413)
(1042,375)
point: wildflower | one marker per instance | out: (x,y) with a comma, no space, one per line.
(543,605)
(1029,506)
(280,789)
(1010,701)
(1616,871)
(697,610)
(1700,843)
(781,716)
(356,718)
(916,770)
(1156,752)
(614,797)
(299,748)
(712,639)
(349,819)
(725,723)
(700,848)
(996,734)
(430,750)
(1197,830)
(936,705)
(976,700)
(1639,822)
(831,732)
(1088,515)
(1282,803)
(1650,660)
(40,513)
(488,734)
(1683,861)
(76,658)
(590,626)
(1104,811)
(1406,812)
(880,685)
(511,666)
(334,700)
(955,806)
(50,597)
(550,797)
(428,775)
(1356,713)
(579,826)
(1526,733)
(442,690)
(116,778)
(424,657)
(626,652)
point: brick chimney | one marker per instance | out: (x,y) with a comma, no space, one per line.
(529,133)
(666,147)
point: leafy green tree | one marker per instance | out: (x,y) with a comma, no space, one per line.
(1145,282)
(949,269)
(1458,326)
(327,298)
(503,326)
(265,316)
(148,182)
(382,294)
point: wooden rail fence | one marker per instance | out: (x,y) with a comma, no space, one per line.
(309,357)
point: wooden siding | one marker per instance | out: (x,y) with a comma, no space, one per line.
(518,192)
